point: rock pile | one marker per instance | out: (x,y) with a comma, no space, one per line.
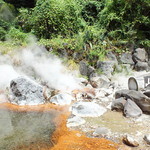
(137,60)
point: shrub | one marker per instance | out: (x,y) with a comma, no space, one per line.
(16,36)
(50,18)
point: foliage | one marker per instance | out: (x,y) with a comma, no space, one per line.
(6,18)
(50,18)
(23,20)
(90,11)
(126,20)
(90,28)
(16,36)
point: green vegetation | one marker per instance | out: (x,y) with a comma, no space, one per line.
(89,28)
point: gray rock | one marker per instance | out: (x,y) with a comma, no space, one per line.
(62,99)
(82,81)
(106,67)
(118,104)
(100,131)
(62,53)
(147,93)
(110,56)
(126,58)
(140,55)
(103,93)
(91,70)
(141,66)
(147,138)
(130,141)
(100,81)
(87,109)
(83,68)
(26,92)
(75,121)
(77,56)
(139,98)
(131,109)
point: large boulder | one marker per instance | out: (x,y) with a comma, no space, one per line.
(140,55)
(106,67)
(139,98)
(118,104)
(126,58)
(131,109)
(85,69)
(100,82)
(111,57)
(141,66)
(87,109)
(26,92)
(130,141)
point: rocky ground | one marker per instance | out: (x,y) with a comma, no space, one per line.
(102,106)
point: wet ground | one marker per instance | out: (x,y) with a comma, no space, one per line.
(119,126)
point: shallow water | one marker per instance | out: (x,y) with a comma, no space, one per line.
(25,128)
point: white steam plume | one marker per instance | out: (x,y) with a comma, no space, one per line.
(49,68)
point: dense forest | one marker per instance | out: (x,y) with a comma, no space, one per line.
(88,27)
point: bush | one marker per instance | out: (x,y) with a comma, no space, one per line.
(16,36)
(127,20)
(51,18)
(2,34)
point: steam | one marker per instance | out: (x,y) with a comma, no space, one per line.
(36,63)
(7,73)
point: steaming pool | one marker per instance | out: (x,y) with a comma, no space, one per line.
(19,129)
(43,127)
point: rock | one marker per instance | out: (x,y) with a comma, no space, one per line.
(130,141)
(26,92)
(84,96)
(75,121)
(140,99)
(89,86)
(62,99)
(141,66)
(147,93)
(83,68)
(87,109)
(131,109)
(103,92)
(126,58)
(62,53)
(118,104)
(94,74)
(82,81)
(77,56)
(100,131)
(106,67)
(147,138)
(100,81)
(91,70)
(111,57)
(140,55)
